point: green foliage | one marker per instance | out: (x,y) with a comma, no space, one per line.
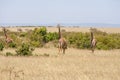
(12,45)
(9,54)
(79,40)
(23,34)
(39,37)
(50,36)
(100,46)
(108,42)
(105,41)
(36,44)
(1,46)
(40,31)
(24,50)
(13,36)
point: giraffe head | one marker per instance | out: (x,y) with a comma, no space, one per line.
(4,29)
(5,32)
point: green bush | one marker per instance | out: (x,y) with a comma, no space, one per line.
(101,46)
(1,46)
(9,54)
(39,37)
(50,37)
(24,50)
(79,40)
(36,44)
(40,31)
(12,45)
(23,34)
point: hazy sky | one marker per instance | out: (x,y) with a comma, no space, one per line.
(59,11)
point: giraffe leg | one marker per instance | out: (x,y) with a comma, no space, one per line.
(92,50)
(58,50)
(63,51)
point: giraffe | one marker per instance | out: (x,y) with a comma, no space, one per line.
(62,42)
(7,39)
(93,42)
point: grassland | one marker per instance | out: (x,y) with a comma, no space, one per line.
(74,65)
(47,64)
(68,29)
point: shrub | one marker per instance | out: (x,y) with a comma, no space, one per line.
(101,46)
(12,45)
(40,31)
(9,54)
(50,37)
(22,34)
(24,50)
(36,44)
(1,46)
(38,35)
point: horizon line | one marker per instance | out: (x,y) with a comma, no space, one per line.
(62,24)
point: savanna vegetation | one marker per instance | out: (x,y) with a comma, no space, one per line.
(25,42)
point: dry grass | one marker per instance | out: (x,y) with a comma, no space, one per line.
(74,65)
(68,29)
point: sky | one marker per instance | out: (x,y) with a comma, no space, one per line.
(59,11)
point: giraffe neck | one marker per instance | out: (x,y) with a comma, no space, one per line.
(5,34)
(92,36)
(59,33)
